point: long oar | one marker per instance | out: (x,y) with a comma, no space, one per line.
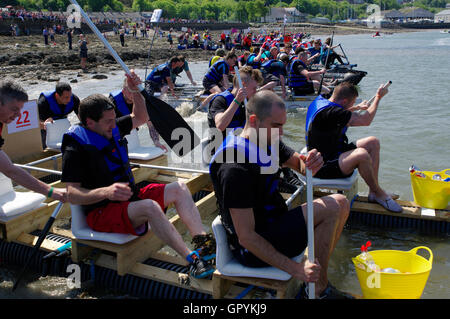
(236,71)
(39,242)
(310,228)
(166,120)
(326,62)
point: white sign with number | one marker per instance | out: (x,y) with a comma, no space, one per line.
(27,120)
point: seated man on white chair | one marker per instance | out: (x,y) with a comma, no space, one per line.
(55,105)
(12,99)
(261,230)
(326,126)
(98,176)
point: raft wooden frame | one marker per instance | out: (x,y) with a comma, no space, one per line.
(128,258)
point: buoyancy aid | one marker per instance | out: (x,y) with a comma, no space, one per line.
(235,123)
(213,74)
(296,80)
(246,151)
(269,68)
(251,61)
(332,138)
(120,102)
(113,154)
(54,106)
(157,74)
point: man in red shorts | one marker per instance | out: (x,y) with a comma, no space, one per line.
(98,176)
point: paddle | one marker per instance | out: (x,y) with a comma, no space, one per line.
(39,242)
(384,86)
(326,62)
(310,228)
(166,120)
(236,71)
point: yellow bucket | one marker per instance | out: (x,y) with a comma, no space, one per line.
(408,284)
(428,192)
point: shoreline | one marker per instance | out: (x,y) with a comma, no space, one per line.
(27,59)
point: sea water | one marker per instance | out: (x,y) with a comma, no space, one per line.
(411,123)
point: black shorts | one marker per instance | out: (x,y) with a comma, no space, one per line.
(208,85)
(83,54)
(331,169)
(270,78)
(287,234)
(304,90)
(151,87)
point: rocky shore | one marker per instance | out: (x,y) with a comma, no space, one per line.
(27,59)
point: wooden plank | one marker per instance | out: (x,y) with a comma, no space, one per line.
(197,183)
(410,208)
(28,222)
(160,275)
(30,240)
(409,212)
(165,179)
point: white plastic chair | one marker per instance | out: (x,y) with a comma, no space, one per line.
(16,203)
(81,230)
(138,152)
(230,266)
(55,132)
(342,184)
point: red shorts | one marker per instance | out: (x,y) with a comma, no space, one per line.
(113,218)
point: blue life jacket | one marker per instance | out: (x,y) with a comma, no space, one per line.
(235,123)
(114,155)
(120,102)
(251,61)
(54,106)
(213,74)
(159,73)
(318,105)
(296,80)
(269,67)
(253,154)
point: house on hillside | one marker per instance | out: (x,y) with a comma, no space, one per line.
(443,16)
(276,15)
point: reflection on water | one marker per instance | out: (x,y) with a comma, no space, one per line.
(411,124)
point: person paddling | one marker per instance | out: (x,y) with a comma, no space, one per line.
(261,230)
(55,105)
(96,170)
(326,125)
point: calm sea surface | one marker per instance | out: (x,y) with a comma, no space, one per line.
(412,124)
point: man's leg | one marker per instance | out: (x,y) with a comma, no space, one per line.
(361,158)
(372,145)
(147,210)
(324,89)
(330,214)
(178,194)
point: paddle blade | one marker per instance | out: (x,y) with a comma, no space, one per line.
(171,126)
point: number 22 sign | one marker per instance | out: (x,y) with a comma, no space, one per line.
(27,120)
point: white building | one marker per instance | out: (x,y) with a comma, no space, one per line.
(277,15)
(443,16)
